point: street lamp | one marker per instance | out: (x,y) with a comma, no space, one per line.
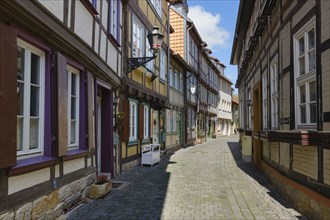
(155,40)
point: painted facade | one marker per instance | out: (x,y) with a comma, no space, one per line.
(144,91)
(60,65)
(282,52)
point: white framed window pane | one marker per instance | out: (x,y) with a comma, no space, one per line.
(311,39)
(35,72)
(302,65)
(34,133)
(312,60)
(303,114)
(302,94)
(20,98)
(301,46)
(19,136)
(34,101)
(312,91)
(312,108)
(73,128)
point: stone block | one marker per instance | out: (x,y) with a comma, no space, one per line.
(97,191)
(52,200)
(24,212)
(7,216)
(39,207)
(72,200)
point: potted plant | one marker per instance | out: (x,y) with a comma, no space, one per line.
(100,187)
(120,116)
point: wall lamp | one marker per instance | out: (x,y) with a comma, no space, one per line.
(155,40)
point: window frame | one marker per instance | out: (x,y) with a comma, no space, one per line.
(132,119)
(162,65)
(305,79)
(71,70)
(157,6)
(136,23)
(114,20)
(274,93)
(146,122)
(26,152)
(265,100)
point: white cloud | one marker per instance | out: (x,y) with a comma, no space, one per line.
(208,26)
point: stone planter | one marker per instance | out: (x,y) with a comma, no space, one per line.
(99,190)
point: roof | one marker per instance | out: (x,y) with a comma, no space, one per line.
(242,23)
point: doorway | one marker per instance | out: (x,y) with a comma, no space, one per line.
(104,130)
(256,125)
(155,127)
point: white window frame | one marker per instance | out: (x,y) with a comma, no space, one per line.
(146,122)
(74,71)
(151,64)
(162,65)
(138,37)
(265,101)
(26,152)
(274,93)
(132,121)
(157,4)
(113,18)
(306,78)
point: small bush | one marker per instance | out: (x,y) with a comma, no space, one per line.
(101,179)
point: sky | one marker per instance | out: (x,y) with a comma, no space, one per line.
(216,21)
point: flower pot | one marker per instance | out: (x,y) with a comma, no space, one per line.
(99,190)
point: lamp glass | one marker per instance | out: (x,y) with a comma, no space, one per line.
(193,89)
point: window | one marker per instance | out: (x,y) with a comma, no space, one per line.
(305,77)
(249,124)
(30,95)
(157,4)
(168,121)
(172,80)
(162,65)
(146,122)
(174,121)
(274,94)
(151,64)
(132,121)
(264,101)
(137,39)
(176,80)
(181,83)
(73,107)
(114,10)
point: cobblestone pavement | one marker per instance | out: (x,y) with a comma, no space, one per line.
(205,181)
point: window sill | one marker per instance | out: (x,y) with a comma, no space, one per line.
(89,7)
(31,164)
(146,141)
(113,40)
(131,143)
(73,154)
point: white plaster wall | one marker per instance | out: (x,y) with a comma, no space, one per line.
(89,162)
(55,7)
(112,57)
(17,183)
(57,171)
(96,37)
(227,98)
(73,165)
(103,45)
(105,14)
(83,23)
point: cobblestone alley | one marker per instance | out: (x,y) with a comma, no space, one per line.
(206,181)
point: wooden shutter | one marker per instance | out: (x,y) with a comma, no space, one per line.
(62,105)
(125,127)
(8,95)
(90,110)
(141,121)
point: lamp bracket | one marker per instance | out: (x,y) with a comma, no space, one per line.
(135,62)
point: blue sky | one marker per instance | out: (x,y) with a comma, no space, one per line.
(215,21)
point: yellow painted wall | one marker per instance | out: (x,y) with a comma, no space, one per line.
(123,150)
(131,150)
